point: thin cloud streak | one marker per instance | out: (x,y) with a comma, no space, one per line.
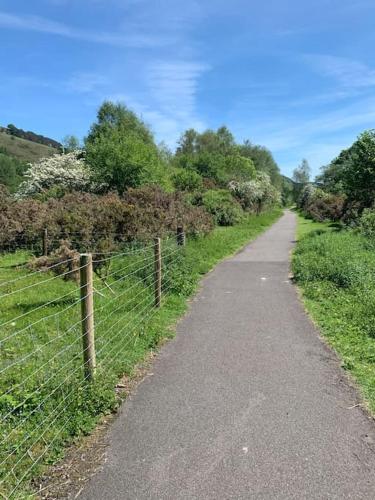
(43,25)
(349,73)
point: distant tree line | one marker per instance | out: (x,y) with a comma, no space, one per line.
(31,136)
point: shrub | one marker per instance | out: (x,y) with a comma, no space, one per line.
(319,205)
(367,223)
(225,210)
(68,172)
(187,180)
(257,194)
(99,223)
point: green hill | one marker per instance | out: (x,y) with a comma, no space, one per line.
(23,149)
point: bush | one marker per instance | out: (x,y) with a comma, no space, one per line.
(96,222)
(67,172)
(225,210)
(187,180)
(257,194)
(319,205)
(367,223)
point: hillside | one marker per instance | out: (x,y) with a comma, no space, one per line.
(23,149)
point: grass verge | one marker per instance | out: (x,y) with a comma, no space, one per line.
(335,270)
(46,402)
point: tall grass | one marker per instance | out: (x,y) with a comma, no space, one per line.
(45,402)
(336,272)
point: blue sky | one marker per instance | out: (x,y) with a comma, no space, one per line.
(296,76)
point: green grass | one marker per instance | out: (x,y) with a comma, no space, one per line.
(23,149)
(306,226)
(336,272)
(46,402)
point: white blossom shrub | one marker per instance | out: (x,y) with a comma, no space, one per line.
(256,194)
(68,172)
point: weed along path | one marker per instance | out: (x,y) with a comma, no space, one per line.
(246,402)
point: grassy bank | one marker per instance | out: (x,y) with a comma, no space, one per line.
(336,272)
(45,401)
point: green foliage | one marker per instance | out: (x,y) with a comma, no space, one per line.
(239,168)
(187,180)
(366,224)
(225,210)
(287,192)
(121,151)
(71,143)
(11,171)
(301,174)
(336,271)
(263,161)
(353,171)
(216,156)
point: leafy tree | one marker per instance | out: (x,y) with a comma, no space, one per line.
(70,143)
(302,173)
(121,150)
(358,176)
(353,171)
(214,155)
(239,168)
(263,161)
(12,129)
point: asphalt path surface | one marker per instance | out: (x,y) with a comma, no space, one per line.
(247,402)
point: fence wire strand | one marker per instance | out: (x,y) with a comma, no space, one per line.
(44,363)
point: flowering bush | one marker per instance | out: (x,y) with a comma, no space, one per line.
(67,172)
(320,205)
(256,194)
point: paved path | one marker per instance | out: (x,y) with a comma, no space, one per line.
(246,402)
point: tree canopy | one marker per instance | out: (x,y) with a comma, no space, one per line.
(353,171)
(121,150)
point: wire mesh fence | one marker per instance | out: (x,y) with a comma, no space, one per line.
(51,387)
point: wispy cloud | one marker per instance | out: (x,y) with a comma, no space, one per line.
(44,25)
(168,102)
(173,86)
(349,73)
(86,82)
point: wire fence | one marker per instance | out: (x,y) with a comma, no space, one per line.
(64,343)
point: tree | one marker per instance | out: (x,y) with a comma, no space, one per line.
(263,161)
(214,155)
(353,172)
(121,151)
(70,143)
(12,129)
(358,174)
(302,173)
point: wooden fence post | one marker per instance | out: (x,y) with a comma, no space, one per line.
(180,236)
(45,242)
(87,315)
(157,276)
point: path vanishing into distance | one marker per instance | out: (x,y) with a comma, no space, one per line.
(246,402)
